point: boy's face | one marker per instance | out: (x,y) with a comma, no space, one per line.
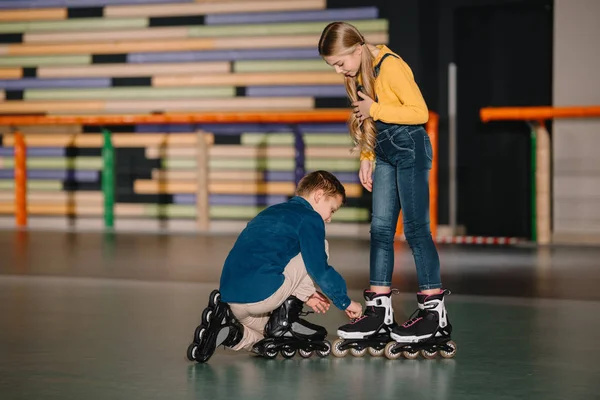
(325,205)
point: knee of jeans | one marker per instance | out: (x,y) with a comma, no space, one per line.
(416,230)
(382,231)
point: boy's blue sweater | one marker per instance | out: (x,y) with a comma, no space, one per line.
(253,270)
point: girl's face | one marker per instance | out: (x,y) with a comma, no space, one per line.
(348,64)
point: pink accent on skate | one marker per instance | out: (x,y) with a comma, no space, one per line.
(371,291)
(358,319)
(410,323)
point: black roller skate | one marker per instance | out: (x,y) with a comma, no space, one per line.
(370,332)
(218,327)
(426,332)
(287,333)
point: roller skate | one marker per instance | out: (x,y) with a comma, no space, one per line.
(287,333)
(218,327)
(371,332)
(427,331)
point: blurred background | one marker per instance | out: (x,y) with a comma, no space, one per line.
(268,109)
(138,137)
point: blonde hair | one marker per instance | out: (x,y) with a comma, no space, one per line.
(342,38)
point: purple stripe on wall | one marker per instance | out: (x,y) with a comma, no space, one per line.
(339,14)
(325,128)
(223,55)
(236,129)
(286,176)
(35,152)
(78,176)
(309,90)
(22,4)
(34,83)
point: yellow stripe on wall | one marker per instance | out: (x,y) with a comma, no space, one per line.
(33,14)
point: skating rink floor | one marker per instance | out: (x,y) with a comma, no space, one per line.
(105,316)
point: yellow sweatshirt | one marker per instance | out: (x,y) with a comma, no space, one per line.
(399,100)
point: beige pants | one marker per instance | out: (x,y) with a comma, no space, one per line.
(254,316)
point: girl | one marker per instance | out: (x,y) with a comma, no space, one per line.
(386,126)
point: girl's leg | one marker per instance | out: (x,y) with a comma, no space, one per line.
(386,207)
(413,184)
(377,322)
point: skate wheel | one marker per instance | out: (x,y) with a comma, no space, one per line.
(325,353)
(410,354)
(389,351)
(359,352)
(206,314)
(430,355)
(288,352)
(270,351)
(192,351)
(199,333)
(376,353)
(305,353)
(449,354)
(214,298)
(335,348)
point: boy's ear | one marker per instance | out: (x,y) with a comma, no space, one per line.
(318,195)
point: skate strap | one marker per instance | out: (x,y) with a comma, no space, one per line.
(378,302)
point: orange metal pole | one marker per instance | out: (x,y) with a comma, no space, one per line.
(20,180)
(432,129)
(488,114)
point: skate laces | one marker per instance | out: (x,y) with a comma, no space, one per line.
(413,319)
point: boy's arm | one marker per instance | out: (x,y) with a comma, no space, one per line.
(312,248)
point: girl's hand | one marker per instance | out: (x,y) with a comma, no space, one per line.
(366,174)
(362,107)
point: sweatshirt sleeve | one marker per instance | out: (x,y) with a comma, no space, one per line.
(312,248)
(397,77)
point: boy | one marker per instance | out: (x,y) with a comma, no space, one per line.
(267,278)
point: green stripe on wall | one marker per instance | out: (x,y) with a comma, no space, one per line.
(282,66)
(261,164)
(332,165)
(34,185)
(170,210)
(33,61)
(256,139)
(84,24)
(328,139)
(294,28)
(240,212)
(82,163)
(128,93)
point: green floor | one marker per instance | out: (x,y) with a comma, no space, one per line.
(86,318)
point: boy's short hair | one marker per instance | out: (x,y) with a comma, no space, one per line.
(324,180)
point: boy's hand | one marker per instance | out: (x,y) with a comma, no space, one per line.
(318,302)
(354,310)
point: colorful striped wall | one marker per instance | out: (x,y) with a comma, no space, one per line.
(67,57)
